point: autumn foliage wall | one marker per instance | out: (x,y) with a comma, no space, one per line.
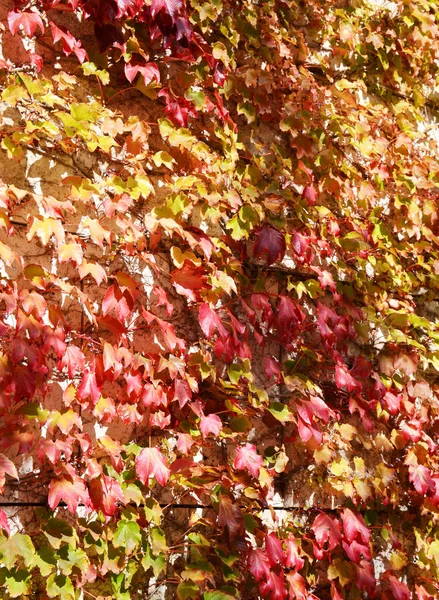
(219,273)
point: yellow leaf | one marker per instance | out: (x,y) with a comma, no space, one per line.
(45,228)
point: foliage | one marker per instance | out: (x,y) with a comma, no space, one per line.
(228,299)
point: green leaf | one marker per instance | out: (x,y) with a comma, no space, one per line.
(18,583)
(187,590)
(127,535)
(280,412)
(60,586)
(18,545)
(158,540)
(157,563)
(217,595)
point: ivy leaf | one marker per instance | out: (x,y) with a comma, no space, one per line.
(297,586)
(4,524)
(127,535)
(17,545)
(269,241)
(210,424)
(28,20)
(258,563)
(188,590)
(275,552)
(218,595)
(149,71)
(274,587)
(248,458)
(151,463)
(327,531)
(7,466)
(67,489)
(210,321)
(230,515)
(171,7)
(354,526)
(421,478)
(60,586)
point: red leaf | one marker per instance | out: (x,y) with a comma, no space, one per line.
(190,277)
(365,578)
(356,551)
(89,387)
(151,463)
(399,589)
(182,392)
(297,586)
(28,20)
(210,424)
(272,367)
(73,359)
(178,109)
(230,515)
(258,564)
(275,552)
(327,531)
(149,71)
(344,379)
(421,478)
(271,242)
(171,7)
(274,588)
(128,7)
(210,321)
(289,314)
(70,490)
(354,526)
(105,492)
(69,43)
(310,194)
(247,458)
(293,560)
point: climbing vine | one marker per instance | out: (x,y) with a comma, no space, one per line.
(219,278)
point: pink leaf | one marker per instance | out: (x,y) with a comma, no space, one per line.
(151,463)
(343,378)
(73,359)
(28,20)
(421,478)
(4,525)
(171,7)
(247,458)
(210,424)
(149,71)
